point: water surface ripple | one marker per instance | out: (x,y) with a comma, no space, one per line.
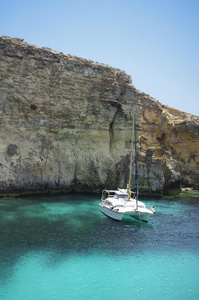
(62,247)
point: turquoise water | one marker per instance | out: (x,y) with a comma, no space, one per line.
(62,247)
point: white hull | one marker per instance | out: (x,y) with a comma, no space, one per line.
(111,213)
(141,214)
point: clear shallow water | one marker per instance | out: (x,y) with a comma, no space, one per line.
(62,247)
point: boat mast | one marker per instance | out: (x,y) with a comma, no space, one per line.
(136,169)
(131,159)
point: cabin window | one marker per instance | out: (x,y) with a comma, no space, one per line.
(124,196)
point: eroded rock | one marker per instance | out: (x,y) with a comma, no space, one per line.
(66,125)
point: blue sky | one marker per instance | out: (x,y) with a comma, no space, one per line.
(154,41)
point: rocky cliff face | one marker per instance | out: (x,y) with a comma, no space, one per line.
(66,126)
(175,136)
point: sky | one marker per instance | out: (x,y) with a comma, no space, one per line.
(156,42)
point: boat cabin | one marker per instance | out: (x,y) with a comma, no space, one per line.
(121,195)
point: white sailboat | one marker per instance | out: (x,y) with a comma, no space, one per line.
(117,203)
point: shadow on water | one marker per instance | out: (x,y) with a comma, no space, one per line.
(68,225)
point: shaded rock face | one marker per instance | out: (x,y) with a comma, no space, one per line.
(151,177)
(172,174)
(12,150)
(175,136)
(66,125)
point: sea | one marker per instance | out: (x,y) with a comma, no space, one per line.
(62,247)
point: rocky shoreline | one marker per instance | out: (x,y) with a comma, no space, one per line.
(66,126)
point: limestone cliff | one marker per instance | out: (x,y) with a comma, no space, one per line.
(175,136)
(66,125)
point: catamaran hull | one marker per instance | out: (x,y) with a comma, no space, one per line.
(111,213)
(142,215)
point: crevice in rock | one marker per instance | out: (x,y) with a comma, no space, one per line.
(111,135)
(111,130)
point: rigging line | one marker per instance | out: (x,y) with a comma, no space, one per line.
(131,160)
(136,179)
